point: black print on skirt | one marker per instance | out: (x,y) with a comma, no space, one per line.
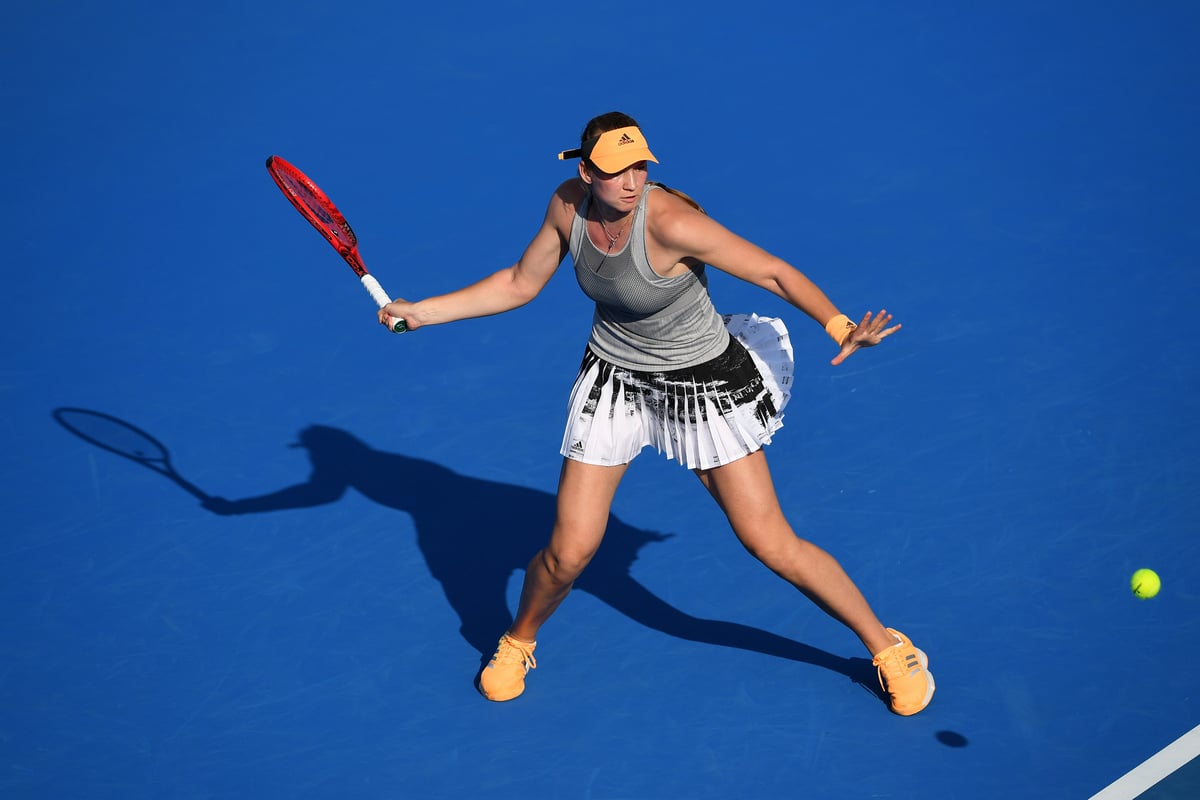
(728,381)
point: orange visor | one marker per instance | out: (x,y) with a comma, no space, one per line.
(613,151)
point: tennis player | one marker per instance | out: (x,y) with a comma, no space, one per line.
(664,369)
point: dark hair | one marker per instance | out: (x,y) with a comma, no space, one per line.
(605,123)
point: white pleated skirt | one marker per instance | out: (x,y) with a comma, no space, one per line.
(702,416)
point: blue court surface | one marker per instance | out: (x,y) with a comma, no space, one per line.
(1017,182)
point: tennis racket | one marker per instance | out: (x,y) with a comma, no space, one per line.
(126,440)
(316,207)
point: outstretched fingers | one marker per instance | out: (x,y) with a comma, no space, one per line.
(873,329)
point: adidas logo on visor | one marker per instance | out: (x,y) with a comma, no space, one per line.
(625,139)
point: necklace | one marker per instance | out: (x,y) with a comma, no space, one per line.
(612,239)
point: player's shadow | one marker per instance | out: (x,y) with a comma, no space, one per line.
(475,533)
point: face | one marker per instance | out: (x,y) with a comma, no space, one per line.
(619,190)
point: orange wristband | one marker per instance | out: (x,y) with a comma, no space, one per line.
(839,328)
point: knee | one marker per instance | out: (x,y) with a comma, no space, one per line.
(564,565)
(779,552)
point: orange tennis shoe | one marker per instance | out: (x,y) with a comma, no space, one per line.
(504,676)
(904,675)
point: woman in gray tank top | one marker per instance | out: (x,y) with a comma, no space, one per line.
(664,369)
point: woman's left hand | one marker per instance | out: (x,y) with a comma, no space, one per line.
(870,332)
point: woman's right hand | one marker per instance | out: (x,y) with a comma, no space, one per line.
(398,309)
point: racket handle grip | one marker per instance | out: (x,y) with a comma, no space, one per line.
(381,299)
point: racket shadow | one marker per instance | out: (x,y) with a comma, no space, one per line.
(124,439)
(475,533)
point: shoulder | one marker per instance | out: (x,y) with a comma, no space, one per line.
(672,219)
(564,203)
(569,195)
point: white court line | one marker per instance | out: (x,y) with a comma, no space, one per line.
(1154,769)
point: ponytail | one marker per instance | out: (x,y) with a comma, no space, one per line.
(681,195)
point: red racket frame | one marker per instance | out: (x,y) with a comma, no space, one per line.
(324,216)
(316,207)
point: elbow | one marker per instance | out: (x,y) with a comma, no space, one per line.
(774,285)
(520,297)
(521,292)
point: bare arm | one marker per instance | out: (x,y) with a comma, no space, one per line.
(681,232)
(505,289)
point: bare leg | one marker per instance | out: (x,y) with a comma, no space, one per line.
(585,494)
(746,494)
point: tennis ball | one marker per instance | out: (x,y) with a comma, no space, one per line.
(1145,583)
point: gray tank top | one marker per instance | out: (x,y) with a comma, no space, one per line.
(642,320)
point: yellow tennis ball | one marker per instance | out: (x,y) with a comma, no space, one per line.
(1145,583)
